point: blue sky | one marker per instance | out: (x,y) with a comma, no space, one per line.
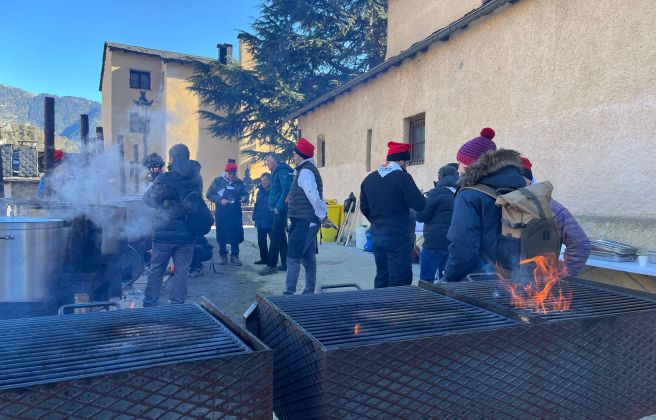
(55,46)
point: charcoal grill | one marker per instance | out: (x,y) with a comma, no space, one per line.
(173,361)
(417,353)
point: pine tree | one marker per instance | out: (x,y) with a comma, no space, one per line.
(302,49)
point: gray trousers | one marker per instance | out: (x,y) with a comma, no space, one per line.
(162,253)
(302,250)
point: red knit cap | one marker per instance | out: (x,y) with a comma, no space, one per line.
(398,151)
(231,166)
(304,148)
(474,148)
(59,154)
(526,164)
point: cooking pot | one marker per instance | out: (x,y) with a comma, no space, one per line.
(31,258)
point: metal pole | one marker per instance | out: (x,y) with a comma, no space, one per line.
(100,140)
(2,176)
(121,150)
(135,167)
(49,133)
(84,129)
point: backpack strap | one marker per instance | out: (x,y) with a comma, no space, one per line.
(487,190)
(531,196)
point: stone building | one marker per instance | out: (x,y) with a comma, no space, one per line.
(569,83)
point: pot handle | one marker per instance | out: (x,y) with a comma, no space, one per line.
(8,238)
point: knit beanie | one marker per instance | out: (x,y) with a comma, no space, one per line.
(474,148)
(526,171)
(447,170)
(231,166)
(398,151)
(304,148)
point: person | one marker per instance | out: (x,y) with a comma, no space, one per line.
(263,217)
(386,197)
(436,218)
(475,228)
(577,244)
(171,234)
(281,182)
(154,165)
(249,186)
(202,252)
(228,193)
(306,210)
(45,188)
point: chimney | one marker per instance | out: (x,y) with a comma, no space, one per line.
(225,53)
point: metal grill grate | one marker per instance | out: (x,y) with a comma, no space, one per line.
(371,316)
(56,348)
(587,300)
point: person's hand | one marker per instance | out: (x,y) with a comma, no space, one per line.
(224,202)
(276,212)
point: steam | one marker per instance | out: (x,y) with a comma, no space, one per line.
(88,180)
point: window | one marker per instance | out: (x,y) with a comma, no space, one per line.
(321,151)
(416,130)
(369,135)
(138,124)
(139,79)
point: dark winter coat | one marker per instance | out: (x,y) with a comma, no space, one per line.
(437,214)
(476,224)
(577,244)
(281,182)
(262,215)
(386,202)
(229,223)
(166,194)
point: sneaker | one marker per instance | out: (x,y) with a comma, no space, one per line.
(260,262)
(224,260)
(195,272)
(235,260)
(268,270)
(282,268)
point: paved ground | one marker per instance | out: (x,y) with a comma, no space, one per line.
(233,288)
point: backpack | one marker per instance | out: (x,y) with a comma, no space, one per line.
(199,217)
(528,226)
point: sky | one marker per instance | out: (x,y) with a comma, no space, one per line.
(56,46)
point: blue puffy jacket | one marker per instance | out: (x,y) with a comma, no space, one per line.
(476,224)
(281,182)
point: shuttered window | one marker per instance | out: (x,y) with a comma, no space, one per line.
(417,138)
(140,80)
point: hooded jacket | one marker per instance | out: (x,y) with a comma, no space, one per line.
(166,194)
(281,182)
(437,214)
(476,224)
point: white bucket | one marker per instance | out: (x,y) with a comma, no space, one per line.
(360,237)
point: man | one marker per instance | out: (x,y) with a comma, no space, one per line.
(154,165)
(436,218)
(577,244)
(475,229)
(306,212)
(386,197)
(263,217)
(171,234)
(228,193)
(45,189)
(281,182)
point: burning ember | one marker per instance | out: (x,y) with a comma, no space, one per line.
(544,293)
(356,329)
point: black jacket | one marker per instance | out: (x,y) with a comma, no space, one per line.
(436,216)
(262,216)
(165,195)
(229,223)
(475,229)
(386,201)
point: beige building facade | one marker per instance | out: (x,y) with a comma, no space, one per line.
(569,83)
(144,93)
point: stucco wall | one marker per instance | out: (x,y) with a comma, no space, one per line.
(569,83)
(410,21)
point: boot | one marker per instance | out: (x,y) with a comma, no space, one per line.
(268,270)
(224,260)
(235,260)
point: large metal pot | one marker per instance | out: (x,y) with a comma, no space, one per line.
(31,258)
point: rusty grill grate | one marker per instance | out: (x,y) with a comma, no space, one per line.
(175,361)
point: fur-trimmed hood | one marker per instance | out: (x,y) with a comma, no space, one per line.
(489,165)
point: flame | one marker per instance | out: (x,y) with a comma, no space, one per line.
(356,329)
(544,293)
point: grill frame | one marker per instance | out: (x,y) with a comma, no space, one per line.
(599,367)
(237,385)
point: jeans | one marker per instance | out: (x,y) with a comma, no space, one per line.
(278,237)
(302,250)
(223,247)
(161,254)
(393,255)
(432,263)
(262,243)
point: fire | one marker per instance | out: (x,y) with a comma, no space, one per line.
(544,293)
(356,329)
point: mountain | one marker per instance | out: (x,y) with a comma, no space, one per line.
(19,106)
